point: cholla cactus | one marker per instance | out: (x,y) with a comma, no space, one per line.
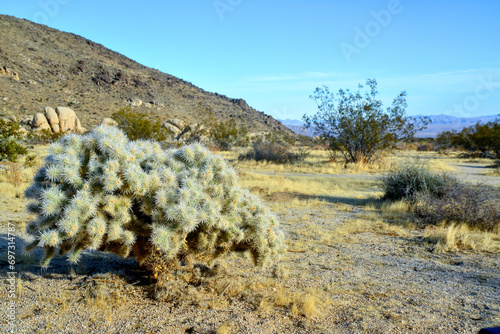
(103,192)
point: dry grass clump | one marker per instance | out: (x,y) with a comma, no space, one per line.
(316,162)
(13,172)
(475,206)
(309,187)
(14,177)
(458,237)
(368,224)
(104,291)
(307,304)
(216,288)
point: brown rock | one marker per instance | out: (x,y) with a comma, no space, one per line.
(51,116)
(179,123)
(78,126)
(43,126)
(38,120)
(171,129)
(65,113)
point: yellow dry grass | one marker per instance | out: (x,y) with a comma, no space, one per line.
(461,237)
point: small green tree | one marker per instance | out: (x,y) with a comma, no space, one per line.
(10,147)
(356,124)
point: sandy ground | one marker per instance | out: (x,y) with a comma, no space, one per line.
(328,282)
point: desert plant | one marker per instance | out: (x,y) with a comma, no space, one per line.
(412,177)
(14,173)
(138,125)
(101,191)
(11,147)
(463,203)
(43,137)
(481,140)
(272,152)
(357,126)
(225,134)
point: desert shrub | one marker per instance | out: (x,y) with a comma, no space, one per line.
(11,147)
(101,191)
(464,203)
(13,172)
(426,147)
(437,198)
(43,137)
(273,152)
(138,125)
(410,178)
(481,140)
(356,124)
(226,134)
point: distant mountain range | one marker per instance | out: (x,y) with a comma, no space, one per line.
(439,124)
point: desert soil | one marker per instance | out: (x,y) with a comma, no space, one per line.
(327,282)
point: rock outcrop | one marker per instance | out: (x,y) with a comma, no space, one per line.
(8,72)
(62,119)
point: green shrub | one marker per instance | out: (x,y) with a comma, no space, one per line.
(414,177)
(43,137)
(138,125)
(272,152)
(103,192)
(10,141)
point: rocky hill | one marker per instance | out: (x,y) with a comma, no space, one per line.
(41,66)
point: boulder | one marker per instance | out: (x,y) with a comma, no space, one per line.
(7,72)
(134,102)
(56,128)
(179,123)
(171,129)
(51,116)
(43,126)
(38,120)
(109,122)
(65,113)
(78,126)
(67,119)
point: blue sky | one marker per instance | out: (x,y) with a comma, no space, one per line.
(273,54)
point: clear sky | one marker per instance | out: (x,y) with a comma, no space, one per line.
(274,53)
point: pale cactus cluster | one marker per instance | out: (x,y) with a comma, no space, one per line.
(100,191)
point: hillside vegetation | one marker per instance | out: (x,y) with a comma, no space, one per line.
(41,66)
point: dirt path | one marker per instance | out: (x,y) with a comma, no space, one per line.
(477,173)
